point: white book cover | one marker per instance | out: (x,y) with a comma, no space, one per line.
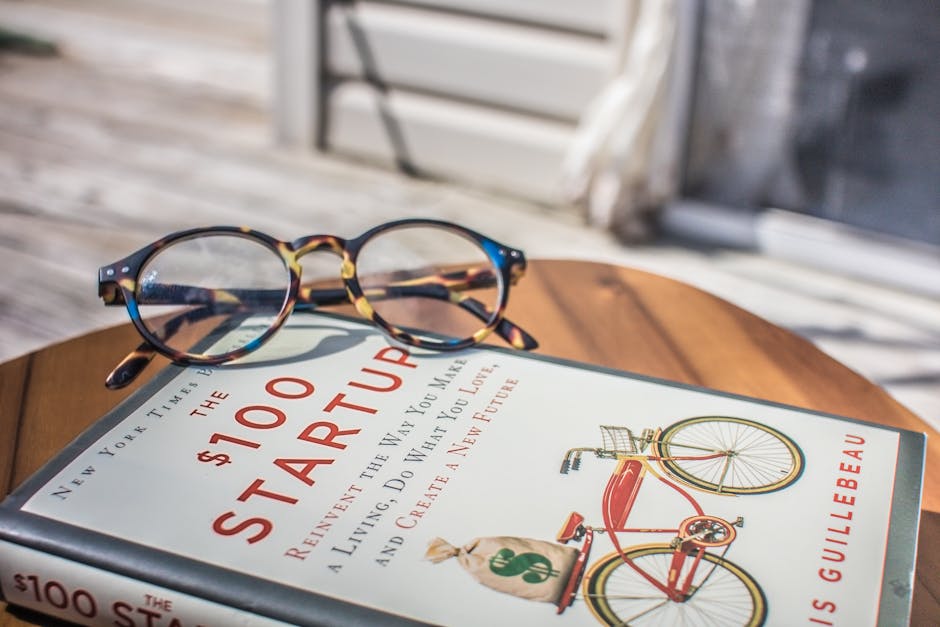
(333,474)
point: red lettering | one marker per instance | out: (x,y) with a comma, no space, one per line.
(848,484)
(119,608)
(842,498)
(832,555)
(242,417)
(56,595)
(850,468)
(297,553)
(824,606)
(150,614)
(830,574)
(401,360)
(394,385)
(338,402)
(266,526)
(306,467)
(334,431)
(215,438)
(306,388)
(255,489)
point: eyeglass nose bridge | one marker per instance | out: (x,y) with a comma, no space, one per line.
(326,243)
(313,243)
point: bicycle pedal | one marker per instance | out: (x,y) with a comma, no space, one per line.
(573,529)
(739,522)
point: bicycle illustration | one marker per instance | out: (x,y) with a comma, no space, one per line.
(687,579)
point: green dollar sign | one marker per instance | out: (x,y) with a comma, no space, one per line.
(533,567)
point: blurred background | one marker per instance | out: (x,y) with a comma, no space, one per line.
(783,155)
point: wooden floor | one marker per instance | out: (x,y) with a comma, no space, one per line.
(154,117)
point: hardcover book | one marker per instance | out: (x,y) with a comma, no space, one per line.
(332,478)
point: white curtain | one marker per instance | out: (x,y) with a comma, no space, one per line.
(620,165)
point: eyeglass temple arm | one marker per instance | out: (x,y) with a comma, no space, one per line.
(474,278)
(138,359)
(512,333)
(130,367)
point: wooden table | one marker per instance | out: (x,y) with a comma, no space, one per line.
(596,313)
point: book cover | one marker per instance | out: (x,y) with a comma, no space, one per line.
(333,478)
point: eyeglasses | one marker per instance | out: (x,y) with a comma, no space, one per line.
(412,278)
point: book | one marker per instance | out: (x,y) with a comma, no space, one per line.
(333,478)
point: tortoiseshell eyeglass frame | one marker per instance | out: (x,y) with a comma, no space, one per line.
(118,285)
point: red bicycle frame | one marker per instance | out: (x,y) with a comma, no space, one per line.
(619,497)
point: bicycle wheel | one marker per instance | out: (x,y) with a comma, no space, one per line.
(754,457)
(721,594)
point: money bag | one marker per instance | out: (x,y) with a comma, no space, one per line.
(537,570)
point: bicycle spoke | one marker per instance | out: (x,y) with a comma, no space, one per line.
(647,612)
(724,472)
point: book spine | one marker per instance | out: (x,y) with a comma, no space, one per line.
(87,595)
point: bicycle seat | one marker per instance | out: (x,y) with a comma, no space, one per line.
(573,528)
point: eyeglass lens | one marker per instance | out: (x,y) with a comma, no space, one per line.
(432,280)
(192,288)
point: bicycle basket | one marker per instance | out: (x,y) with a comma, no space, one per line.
(617,441)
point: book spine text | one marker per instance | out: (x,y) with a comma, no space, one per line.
(86,595)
